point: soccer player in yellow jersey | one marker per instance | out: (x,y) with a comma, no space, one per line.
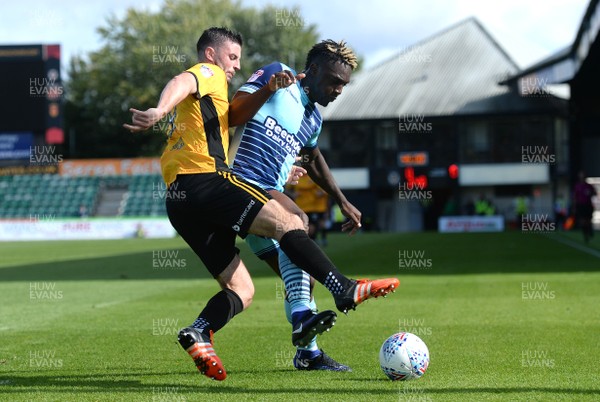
(314,201)
(217,205)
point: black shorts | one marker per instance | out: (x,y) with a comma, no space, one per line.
(209,209)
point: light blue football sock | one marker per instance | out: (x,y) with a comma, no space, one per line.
(297,288)
(288,310)
(313,305)
(296,283)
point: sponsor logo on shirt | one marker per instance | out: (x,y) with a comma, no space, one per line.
(178,145)
(281,136)
(255,76)
(207,71)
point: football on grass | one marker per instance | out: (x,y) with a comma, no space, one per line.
(404,356)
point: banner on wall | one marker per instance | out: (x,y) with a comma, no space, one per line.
(46,228)
(15,145)
(457,224)
(110,167)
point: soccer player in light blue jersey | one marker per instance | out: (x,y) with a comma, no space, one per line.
(280,126)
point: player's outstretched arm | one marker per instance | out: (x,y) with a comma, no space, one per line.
(174,92)
(318,170)
(245,105)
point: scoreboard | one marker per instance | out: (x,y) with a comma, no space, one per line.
(31,92)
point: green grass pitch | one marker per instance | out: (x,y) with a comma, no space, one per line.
(508,317)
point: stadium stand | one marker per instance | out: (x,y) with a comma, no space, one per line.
(145,197)
(22,197)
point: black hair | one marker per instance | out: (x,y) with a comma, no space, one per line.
(213,37)
(333,51)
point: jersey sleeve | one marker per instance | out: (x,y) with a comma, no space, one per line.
(209,78)
(261,77)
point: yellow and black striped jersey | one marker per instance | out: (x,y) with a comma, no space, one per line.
(199,127)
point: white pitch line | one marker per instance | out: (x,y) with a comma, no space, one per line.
(576,245)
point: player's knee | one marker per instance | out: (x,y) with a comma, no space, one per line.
(292,221)
(274,221)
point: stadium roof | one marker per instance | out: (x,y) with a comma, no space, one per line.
(564,65)
(442,75)
(563,57)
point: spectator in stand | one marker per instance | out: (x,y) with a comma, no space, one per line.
(521,208)
(484,207)
(83,211)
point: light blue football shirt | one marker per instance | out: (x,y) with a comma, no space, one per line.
(272,139)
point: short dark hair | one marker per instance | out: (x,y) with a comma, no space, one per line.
(333,51)
(213,37)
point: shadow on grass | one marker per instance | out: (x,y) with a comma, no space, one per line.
(127,266)
(364,254)
(160,264)
(459,253)
(119,383)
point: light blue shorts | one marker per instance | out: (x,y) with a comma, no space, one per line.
(263,247)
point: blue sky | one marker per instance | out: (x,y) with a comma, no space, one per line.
(529,30)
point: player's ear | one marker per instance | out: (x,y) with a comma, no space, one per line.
(313,69)
(209,54)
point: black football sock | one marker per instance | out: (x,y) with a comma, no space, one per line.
(305,253)
(218,311)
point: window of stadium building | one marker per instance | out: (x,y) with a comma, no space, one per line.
(502,140)
(476,142)
(350,145)
(386,144)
